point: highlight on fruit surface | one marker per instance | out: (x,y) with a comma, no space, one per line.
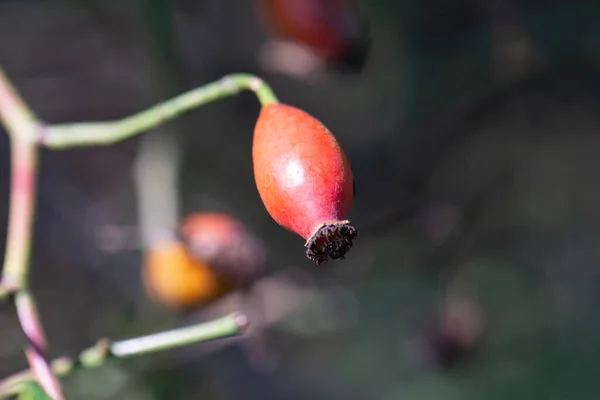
(226,244)
(172,277)
(334,29)
(304,180)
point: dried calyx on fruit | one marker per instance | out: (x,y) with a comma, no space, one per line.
(332,239)
(304,179)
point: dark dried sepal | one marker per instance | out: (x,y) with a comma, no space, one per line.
(332,240)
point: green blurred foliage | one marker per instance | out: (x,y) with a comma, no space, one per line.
(33,391)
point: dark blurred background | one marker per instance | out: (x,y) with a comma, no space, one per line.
(473,133)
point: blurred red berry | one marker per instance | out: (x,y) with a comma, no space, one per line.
(460,331)
(226,244)
(334,29)
(304,180)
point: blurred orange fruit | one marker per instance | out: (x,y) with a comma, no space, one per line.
(174,278)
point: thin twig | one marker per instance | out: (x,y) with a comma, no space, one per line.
(106,133)
(23,130)
(21,126)
(96,355)
(36,351)
(16,116)
(22,203)
(27,133)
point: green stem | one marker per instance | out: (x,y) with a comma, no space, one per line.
(22,126)
(26,133)
(95,356)
(21,210)
(16,116)
(23,129)
(35,352)
(105,133)
(216,329)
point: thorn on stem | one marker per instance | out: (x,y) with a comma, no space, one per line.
(96,355)
(8,290)
(43,131)
(242,322)
(255,84)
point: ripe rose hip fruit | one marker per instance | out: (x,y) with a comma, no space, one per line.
(304,180)
(172,277)
(224,242)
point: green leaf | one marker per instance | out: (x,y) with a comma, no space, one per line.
(33,391)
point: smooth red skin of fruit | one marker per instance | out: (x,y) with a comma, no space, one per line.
(315,23)
(302,175)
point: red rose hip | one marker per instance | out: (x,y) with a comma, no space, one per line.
(304,180)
